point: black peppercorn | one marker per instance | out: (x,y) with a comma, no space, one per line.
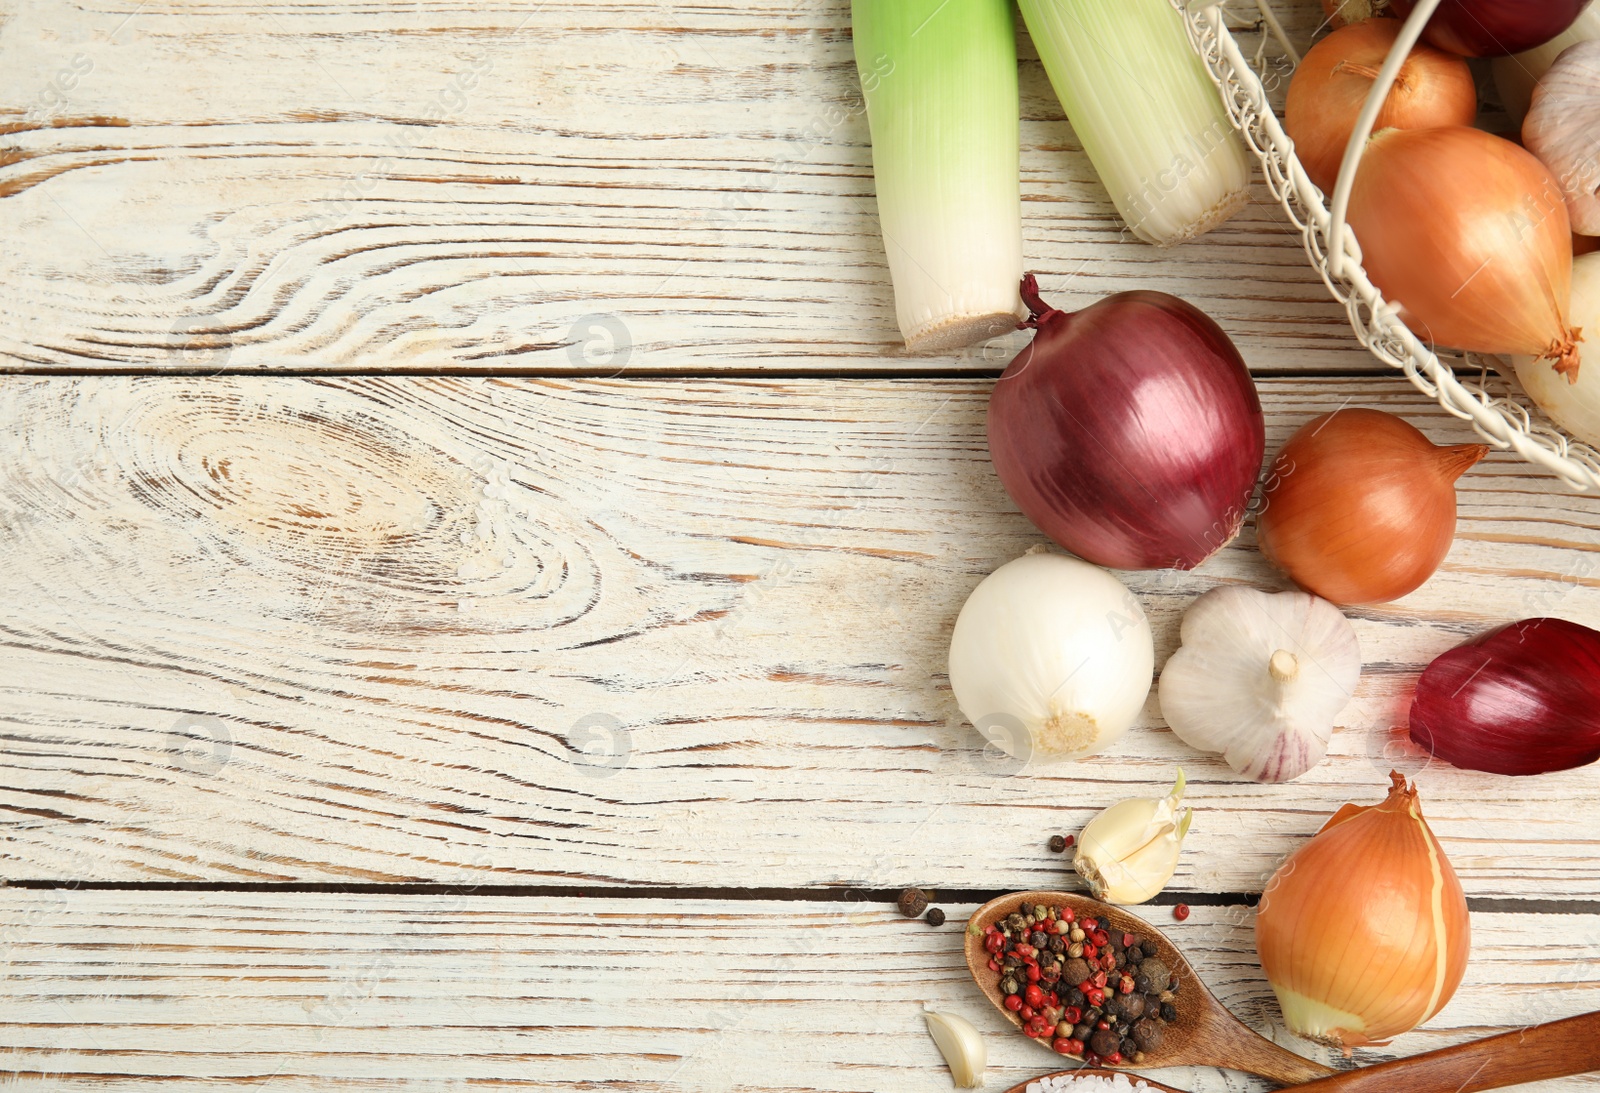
(913,902)
(1127,1007)
(1104,1042)
(1129,1050)
(935,917)
(1015,921)
(1169,1013)
(1155,970)
(1058,843)
(1075,997)
(1083,1032)
(1025,909)
(1038,939)
(1135,954)
(1147,1035)
(1143,984)
(1058,944)
(1008,986)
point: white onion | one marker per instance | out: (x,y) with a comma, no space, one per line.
(1051,658)
(1573,406)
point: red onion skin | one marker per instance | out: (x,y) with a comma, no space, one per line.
(1130,432)
(1494,28)
(1522,699)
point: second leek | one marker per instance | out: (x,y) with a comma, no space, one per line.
(1149,117)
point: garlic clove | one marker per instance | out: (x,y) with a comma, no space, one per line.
(1260,678)
(1129,851)
(962,1047)
(1563,129)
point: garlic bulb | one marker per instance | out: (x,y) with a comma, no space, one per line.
(1563,130)
(1129,852)
(1260,678)
(1051,657)
(1517,75)
(1572,400)
(962,1047)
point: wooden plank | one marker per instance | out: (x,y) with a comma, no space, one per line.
(330,992)
(558,186)
(662,632)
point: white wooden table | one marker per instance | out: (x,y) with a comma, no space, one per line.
(475,571)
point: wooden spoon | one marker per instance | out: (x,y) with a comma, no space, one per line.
(1559,1049)
(1205,1033)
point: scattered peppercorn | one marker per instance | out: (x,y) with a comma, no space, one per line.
(935,917)
(1058,843)
(913,901)
(1181,912)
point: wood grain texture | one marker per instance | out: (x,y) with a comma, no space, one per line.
(664,632)
(358,992)
(202,184)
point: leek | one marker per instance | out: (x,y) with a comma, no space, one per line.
(1147,112)
(940,81)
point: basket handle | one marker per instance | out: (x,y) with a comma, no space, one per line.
(1409,35)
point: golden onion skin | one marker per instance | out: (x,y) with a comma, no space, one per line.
(1364,932)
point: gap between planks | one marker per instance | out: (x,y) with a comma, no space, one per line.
(976,896)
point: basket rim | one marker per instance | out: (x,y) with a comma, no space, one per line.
(1498,411)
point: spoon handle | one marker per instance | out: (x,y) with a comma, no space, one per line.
(1235,1046)
(1556,1050)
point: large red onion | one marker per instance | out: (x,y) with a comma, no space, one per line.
(1494,28)
(1523,699)
(1130,431)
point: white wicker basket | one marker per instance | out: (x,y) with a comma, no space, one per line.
(1503,417)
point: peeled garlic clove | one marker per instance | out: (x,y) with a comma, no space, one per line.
(1260,678)
(1563,130)
(1129,852)
(962,1047)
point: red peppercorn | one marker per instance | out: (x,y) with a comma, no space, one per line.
(1013,1002)
(1127,940)
(1101,937)
(1025,951)
(1102,1023)
(1114,1059)
(1096,996)
(1072,1015)
(1099,979)
(1062,1045)
(994,942)
(991,929)
(1089,951)
(1074,1046)
(994,965)
(1091,1059)
(1068,915)
(1181,912)
(1125,985)
(1108,961)
(1033,996)
(1033,973)
(1054,998)
(1089,924)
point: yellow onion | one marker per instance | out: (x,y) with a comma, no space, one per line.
(1469,235)
(1360,507)
(1331,86)
(1364,932)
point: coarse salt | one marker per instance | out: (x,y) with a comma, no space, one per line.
(1088,1083)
